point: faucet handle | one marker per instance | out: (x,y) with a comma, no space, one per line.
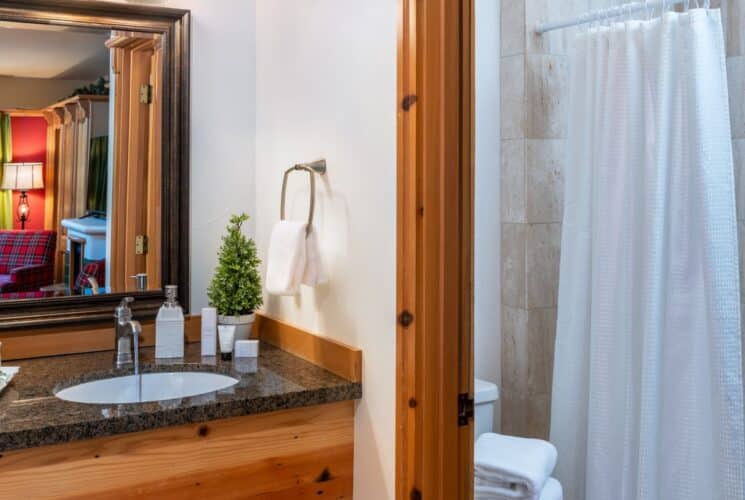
(140,281)
(123,312)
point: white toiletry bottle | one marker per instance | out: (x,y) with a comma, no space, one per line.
(209,331)
(169,327)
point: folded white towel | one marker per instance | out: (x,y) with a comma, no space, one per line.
(286,258)
(485,492)
(551,491)
(314,273)
(518,467)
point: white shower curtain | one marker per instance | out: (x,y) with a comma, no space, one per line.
(647,395)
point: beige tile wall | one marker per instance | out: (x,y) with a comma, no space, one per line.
(534,98)
(534,87)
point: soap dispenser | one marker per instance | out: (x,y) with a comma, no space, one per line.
(169,327)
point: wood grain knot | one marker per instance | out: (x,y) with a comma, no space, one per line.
(203,430)
(325,476)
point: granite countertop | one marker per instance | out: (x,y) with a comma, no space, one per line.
(30,414)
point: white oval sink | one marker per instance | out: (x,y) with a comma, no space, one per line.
(152,387)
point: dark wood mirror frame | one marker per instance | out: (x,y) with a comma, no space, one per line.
(173,25)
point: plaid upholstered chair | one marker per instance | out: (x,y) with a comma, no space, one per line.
(96,270)
(26,260)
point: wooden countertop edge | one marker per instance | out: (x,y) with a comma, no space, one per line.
(330,354)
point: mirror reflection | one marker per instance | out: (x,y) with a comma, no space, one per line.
(80,161)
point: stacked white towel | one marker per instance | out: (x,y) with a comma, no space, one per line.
(513,468)
(551,491)
(293,258)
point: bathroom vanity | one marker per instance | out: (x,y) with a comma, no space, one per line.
(284,430)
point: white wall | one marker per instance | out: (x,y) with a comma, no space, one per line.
(326,87)
(487,340)
(275,82)
(35,93)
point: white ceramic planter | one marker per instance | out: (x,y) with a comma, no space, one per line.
(242,324)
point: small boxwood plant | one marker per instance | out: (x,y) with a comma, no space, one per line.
(235,289)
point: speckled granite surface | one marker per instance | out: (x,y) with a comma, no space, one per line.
(30,414)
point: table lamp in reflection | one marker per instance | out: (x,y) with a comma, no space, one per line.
(22,177)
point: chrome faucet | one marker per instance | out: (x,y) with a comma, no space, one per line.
(127,336)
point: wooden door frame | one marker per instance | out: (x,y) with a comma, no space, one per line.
(434,454)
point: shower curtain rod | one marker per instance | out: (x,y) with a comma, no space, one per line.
(621,10)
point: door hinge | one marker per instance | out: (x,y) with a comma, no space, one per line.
(465,409)
(408,101)
(405,318)
(146,94)
(140,244)
(415,494)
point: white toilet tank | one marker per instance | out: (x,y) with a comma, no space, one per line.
(485,396)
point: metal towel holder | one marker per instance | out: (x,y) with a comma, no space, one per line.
(315,167)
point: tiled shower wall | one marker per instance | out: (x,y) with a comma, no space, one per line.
(534,75)
(534,88)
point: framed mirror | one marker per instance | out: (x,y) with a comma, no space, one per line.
(94,159)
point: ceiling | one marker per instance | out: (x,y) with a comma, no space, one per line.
(52,52)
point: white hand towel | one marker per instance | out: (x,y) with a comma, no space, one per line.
(551,491)
(314,273)
(286,258)
(519,467)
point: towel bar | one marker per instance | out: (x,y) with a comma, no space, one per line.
(315,167)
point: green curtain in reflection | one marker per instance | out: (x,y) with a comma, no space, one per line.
(6,155)
(97,172)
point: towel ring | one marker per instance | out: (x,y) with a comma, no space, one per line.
(315,167)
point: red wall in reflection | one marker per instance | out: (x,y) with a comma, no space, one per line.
(29,145)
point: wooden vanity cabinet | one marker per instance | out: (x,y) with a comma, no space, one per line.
(293,454)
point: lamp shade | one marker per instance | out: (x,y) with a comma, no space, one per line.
(22,176)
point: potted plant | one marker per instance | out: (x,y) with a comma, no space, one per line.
(235,290)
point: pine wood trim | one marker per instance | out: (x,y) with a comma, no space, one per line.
(435,249)
(13,112)
(136,202)
(301,453)
(120,65)
(154,213)
(467,239)
(131,39)
(334,356)
(408,469)
(39,342)
(138,193)
(79,99)
(50,181)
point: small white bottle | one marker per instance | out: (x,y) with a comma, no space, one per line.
(209,331)
(169,327)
